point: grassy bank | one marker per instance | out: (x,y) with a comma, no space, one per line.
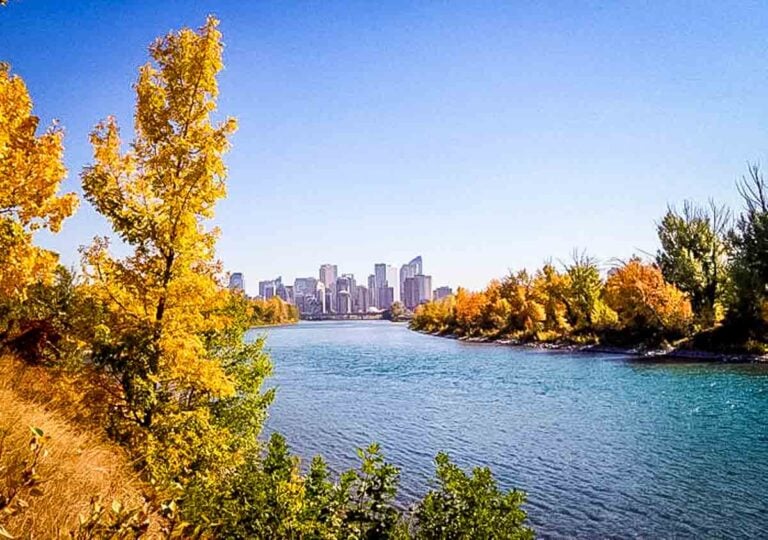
(74,467)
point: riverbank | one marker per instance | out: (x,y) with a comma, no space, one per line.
(644,353)
(77,469)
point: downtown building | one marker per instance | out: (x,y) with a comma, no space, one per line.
(442,292)
(237,282)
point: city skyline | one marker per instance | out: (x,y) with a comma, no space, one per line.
(332,291)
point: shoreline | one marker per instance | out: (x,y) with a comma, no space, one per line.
(670,355)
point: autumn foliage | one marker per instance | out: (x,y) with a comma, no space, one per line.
(645,302)
(572,304)
(31,172)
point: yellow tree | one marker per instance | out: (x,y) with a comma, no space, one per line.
(527,310)
(469,311)
(552,289)
(169,342)
(645,302)
(31,172)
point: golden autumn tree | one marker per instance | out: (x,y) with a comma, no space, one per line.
(31,172)
(526,304)
(552,288)
(175,334)
(645,302)
(469,311)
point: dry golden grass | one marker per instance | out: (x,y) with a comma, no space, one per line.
(79,463)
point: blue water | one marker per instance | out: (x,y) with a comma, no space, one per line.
(605,446)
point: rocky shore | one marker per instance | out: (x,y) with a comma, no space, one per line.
(641,353)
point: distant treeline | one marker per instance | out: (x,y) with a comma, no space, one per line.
(706,287)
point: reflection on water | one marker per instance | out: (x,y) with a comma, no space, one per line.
(604,445)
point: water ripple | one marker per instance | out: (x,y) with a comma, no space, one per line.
(604,446)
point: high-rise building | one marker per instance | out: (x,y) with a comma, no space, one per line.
(343,296)
(304,286)
(372,300)
(410,293)
(409,270)
(352,284)
(442,292)
(393,281)
(304,294)
(380,274)
(237,282)
(268,289)
(328,274)
(360,299)
(416,264)
(320,297)
(386,295)
(424,286)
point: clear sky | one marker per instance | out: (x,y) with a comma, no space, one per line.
(482,135)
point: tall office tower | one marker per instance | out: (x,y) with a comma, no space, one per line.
(409,270)
(424,285)
(393,280)
(237,282)
(361,299)
(386,295)
(406,271)
(380,274)
(379,281)
(328,274)
(329,303)
(372,291)
(303,291)
(343,297)
(266,289)
(442,292)
(352,284)
(417,265)
(410,293)
(320,296)
(281,291)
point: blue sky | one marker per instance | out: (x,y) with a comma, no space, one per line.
(482,135)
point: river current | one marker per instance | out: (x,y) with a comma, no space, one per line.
(605,446)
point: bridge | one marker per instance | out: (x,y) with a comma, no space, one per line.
(342,316)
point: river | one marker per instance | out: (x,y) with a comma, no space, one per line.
(605,446)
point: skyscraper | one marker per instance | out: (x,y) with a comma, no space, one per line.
(320,297)
(380,274)
(393,281)
(385,295)
(361,300)
(343,296)
(372,300)
(303,286)
(409,270)
(410,293)
(416,264)
(424,286)
(237,282)
(328,274)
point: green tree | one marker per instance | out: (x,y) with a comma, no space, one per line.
(694,256)
(749,307)
(464,507)
(395,312)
